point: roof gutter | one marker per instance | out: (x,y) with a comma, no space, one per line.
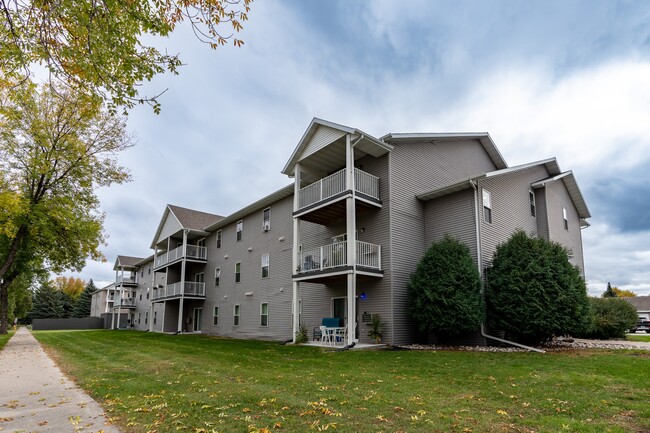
(479,260)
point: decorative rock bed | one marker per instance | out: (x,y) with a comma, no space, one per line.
(553,346)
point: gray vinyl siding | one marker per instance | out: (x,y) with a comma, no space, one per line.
(453,215)
(323,136)
(510,208)
(276,290)
(557,196)
(415,168)
(542,213)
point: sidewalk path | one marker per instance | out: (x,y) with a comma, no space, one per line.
(36,397)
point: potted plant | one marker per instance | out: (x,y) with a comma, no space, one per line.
(376,328)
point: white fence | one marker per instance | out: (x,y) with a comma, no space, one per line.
(336,255)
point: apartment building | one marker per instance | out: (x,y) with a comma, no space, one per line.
(342,240)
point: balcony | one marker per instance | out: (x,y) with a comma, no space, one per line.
(193,252)
(334,257)
(125,303)
(176,290)
(126,280)
(334,184)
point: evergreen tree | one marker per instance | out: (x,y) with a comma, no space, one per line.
(82,307)
(47,304)
(609,293)
(534,292)
(445,290)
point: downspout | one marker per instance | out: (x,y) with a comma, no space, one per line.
(480,271)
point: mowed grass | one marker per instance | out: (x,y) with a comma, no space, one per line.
(5,337)
(639,337)
(191,383)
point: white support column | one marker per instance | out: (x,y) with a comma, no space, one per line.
(180,315)
(296,187)
(162,319)
(151,307)
(180,302)
(113,314)
(351,229)
(296,309)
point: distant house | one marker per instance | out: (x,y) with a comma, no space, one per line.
(341,241)
(642,305)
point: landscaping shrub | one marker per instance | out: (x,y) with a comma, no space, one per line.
(610,318)
(445,290)
(533,292)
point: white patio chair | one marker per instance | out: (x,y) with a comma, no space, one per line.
(326,335)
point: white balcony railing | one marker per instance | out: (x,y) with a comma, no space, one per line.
(125,302)
(189,288)
(333,184)
(121,279)
(193,252)
(336,255)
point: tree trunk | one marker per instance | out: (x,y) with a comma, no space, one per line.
(4,307)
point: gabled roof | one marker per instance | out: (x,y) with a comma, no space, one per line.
(126,262)
(574,191)
(366,142)
(641,303)
(550,163)
(258,205)
(483,137)
(190,219)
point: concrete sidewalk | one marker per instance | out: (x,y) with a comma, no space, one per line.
(35,396)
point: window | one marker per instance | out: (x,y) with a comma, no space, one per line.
(139,317)
(265,266)
(146,317)
(149,269)
(215,316)
(219,238)
(198,278)
(531,195)
(147,295)
(141,272)
(487,206)
(237,272)
(264,314)
(266,219)
(566,218)
(217,276)
(155,317)
(240,229)
(235,315)
(141,296)
(200,242)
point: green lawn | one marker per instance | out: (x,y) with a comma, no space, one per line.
(5,337)
(638,337)
(192,383)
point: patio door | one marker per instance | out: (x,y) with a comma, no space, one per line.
(340,309)
(197,319)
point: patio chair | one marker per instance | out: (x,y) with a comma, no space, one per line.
(326,335)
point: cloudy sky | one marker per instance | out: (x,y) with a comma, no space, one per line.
(544,78)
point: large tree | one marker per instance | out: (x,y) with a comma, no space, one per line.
(48,303)
(84,302)
(103,47)
(445,290)
(56,147)
(71,286)
(534,292)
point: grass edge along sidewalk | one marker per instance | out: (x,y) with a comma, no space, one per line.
(165,383)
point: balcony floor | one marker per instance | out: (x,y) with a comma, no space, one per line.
(339,274)
(333,209)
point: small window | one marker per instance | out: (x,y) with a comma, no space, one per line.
(240,229)
(219,238)
(147,295)
(235,315)
(146,317)
(265,266)
(139,318)
(141,272)
(264,314)
(566,218)
(487,206)
(149,270)
(217,276)
(215,316)
(266,219)
(155,317)
(531,196)
(141,296)
(237,272)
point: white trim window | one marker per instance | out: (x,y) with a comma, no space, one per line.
(238,272)
(217,277)
(146,317)
(235,315)
(155,317)
(487,206)
(531,197)
(240,230)
(215,316)
(265,266)
(219,237)
(566,218)
(266,219)
(264,314)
